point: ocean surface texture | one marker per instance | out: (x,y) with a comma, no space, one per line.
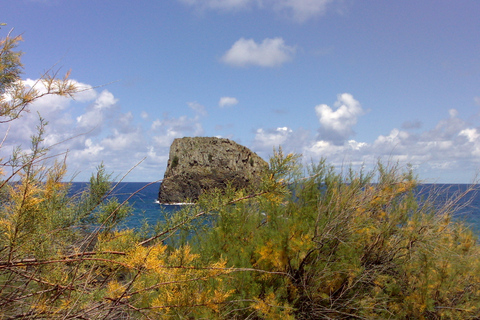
(143,198)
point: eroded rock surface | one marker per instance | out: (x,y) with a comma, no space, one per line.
(203,163)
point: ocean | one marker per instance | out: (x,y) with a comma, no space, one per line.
(146,207)
(143,201)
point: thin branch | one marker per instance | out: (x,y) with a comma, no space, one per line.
(66,258)
(8,265)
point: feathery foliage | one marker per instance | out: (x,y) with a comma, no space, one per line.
(332,246)
(309,243)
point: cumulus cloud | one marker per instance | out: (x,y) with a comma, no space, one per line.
(448,144)
(266,139)
(471,134)
(50,104)
(97,112)
(91,149)
(269,53)
(450,149)
(336,124)
(165,130)
(325,149)
(98,130)
(272,138)
(94,129)
(473,137)
(227,101)
(298,10)
(52,108)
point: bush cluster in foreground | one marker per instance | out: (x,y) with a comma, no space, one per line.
(310,243)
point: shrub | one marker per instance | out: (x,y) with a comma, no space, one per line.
(333,246)
(174,162)
(307,244)
(63,256)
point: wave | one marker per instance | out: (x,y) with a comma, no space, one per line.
(175,203)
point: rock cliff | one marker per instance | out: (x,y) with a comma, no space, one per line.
(203,163)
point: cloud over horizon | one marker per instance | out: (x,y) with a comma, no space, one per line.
(453,144)
(102,132)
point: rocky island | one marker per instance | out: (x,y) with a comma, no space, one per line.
(199,164)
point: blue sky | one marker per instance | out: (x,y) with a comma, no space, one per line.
(353,81)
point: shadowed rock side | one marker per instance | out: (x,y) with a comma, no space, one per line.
(203,163)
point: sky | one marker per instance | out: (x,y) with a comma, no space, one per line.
(352,81)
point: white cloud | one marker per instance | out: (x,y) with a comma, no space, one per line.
(49,104)
(321,148)
(122,141)
(355,145)
(105,100)
(227,101)
(165,130)
(290,140)
(395,137)
(98,112)
(450,150)
(98,132)
(298,10)
(452,147)
(336,124)
(471,134)
(271,138)
(91,149)
(269,53)
(52,108)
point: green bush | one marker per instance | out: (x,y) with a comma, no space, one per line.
(309,243)
(333,246)
(174,162)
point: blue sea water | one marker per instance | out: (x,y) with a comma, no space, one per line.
(466,200)
(143,197)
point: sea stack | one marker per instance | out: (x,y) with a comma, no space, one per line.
(199,164)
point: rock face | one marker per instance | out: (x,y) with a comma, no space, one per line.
(202,163)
